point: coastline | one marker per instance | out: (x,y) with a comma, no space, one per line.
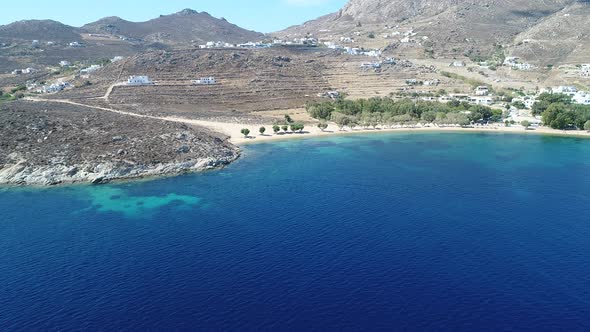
(22,175)
(312,131)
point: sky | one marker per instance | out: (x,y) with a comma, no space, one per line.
(259,15)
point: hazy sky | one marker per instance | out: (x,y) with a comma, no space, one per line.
(260,15)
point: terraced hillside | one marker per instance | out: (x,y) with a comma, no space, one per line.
(247,79)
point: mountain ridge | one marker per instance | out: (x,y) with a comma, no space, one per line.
(185,26)
(452,27)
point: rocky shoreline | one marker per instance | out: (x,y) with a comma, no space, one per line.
(23,174)
(45,144)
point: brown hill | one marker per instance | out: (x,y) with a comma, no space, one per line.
(182,27)
(43,30)
(452,27)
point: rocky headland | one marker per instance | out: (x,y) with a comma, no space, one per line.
(44,143)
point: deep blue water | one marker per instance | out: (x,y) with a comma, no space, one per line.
(393,231)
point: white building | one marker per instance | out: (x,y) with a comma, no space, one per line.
(65,63)
(457,64)
(481,100)
(117,58)
(353,50)
(585,70)
(56,87)
(90,69)
(581,97)
(374,65)
(373,53)
(482,90)
(389,61)
(139,80)
(522,66)
(566,90)
(510,61)
(76,44)
(205,81)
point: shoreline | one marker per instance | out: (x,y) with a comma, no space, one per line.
(314,132)
(233,129)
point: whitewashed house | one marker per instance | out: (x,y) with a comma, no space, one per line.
(65,63)
(481,100)
(205,81)
(582,98)
(139,80)
(585,70)
(353,50)
(482,90)
(457,64)
(90,69)
(567,90)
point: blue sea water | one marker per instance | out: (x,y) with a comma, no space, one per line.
(392,231)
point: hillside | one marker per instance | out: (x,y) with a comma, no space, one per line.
(247,80)
(182,27)
(451,27)
(43,30)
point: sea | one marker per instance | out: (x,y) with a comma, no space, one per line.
(392,231)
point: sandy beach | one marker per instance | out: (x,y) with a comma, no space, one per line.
(311,130)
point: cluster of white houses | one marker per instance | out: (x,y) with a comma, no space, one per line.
(145,80)
(307,41)
(56,87)
(23,71)
(514,63)
(578,96)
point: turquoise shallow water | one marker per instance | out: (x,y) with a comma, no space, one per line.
(392,231)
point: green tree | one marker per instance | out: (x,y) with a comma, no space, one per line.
(321,111)
(245,132)
(276,128)
(262,130)
(323,126)
(519,104)
(297,127)
(429,116)
(285,128)
(526,124)
(341,120)
(288,119)
(496,115)
(551,113)
(458,119)
(587,126)
(547,99)
(19,88)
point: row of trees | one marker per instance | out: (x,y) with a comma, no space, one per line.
(295,127)
(387,112)
(559,112)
